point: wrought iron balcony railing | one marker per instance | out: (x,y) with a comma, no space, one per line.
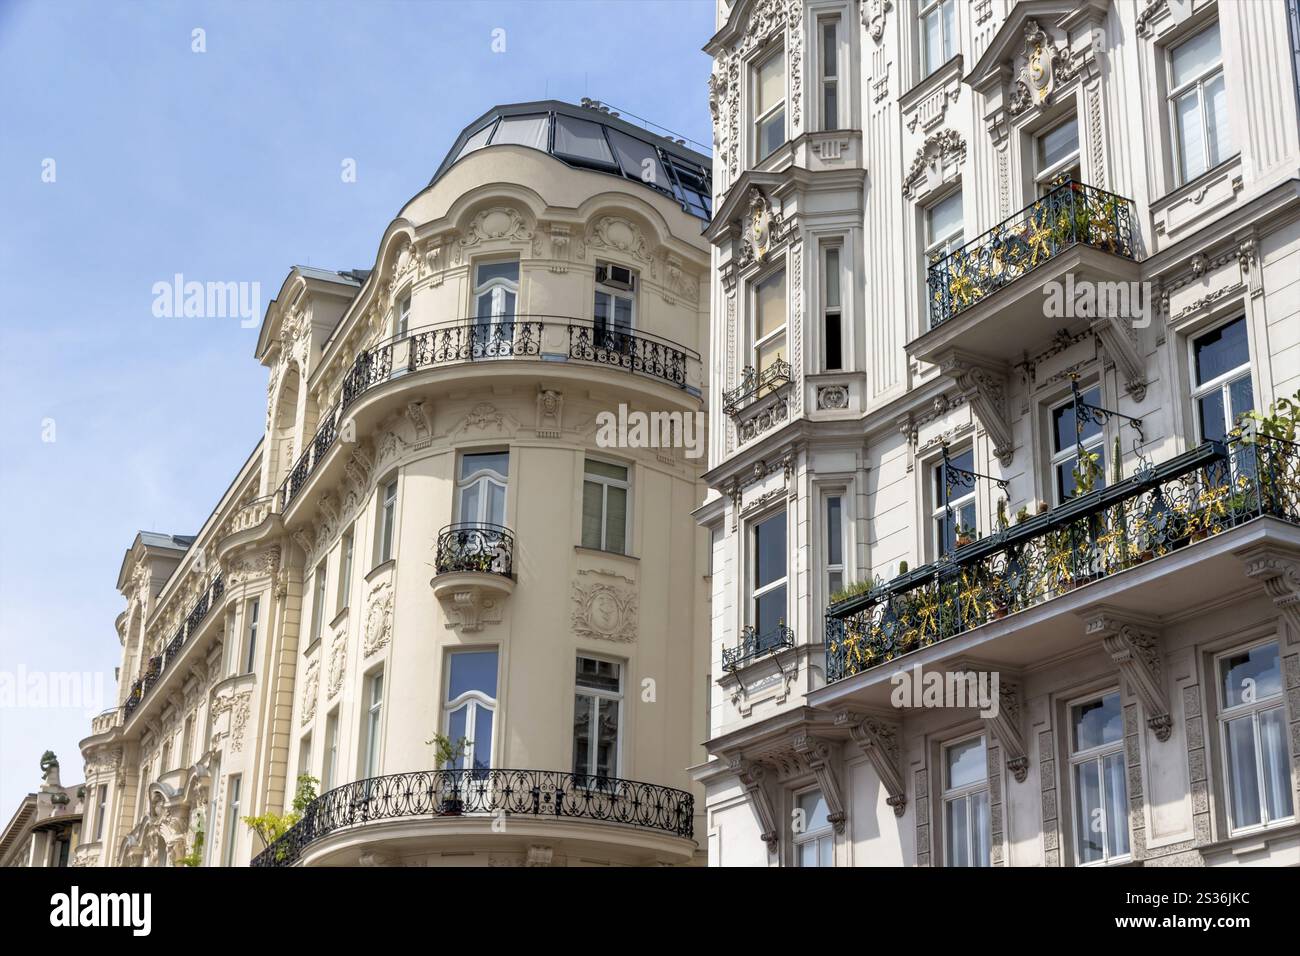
(476,340)
(535,793)
(753,645)
(486,548)
(1070,214)
(754,385)
(1201,493)
(159,663)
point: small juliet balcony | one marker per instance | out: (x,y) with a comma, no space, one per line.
(1142,546)
(981,302)
(474,568)
(753,645)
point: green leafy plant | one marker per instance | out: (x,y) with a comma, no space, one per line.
(195,856)
(1281,421)
(1086,472)
(271,826)
(902,568)
(1022,514)
(447,751)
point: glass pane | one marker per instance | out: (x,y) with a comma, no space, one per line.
(827,845)
(769,610)
(769,550)
(1241,397)
(593,497)
(1243,780)
(835,582)
(1221,351)
(1097,722)
(830,107)
(497,461)
(957,832)
(582,140)
(598,674)
(616,520)
(638,159)
(477,140)
(771,83)
(771,351)
(606,469)
(815,812)
(1191,145)
(829,49)
(1089,816)
(944,218)
(473,670)
(485,272)
(1116,804)
(584,718)
(833,278)
(771,133)
(808,855)
(980,834)
(931,42)
(769,303)
(1213,425)
(496,503)
(834,532)
(1195,56)
(522,130)
(1057,144)
(623,313)
(469,503)
(607,712)
(1251,676)
(1276,764)
(1216,120)
(966,763)
(481,745)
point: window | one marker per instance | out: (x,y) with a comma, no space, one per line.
(769,105)
(496,291)
(470,706)
(101,810)
(1198,104)
(830,41)
(304,755)
(318,604)
(403,316)
(387,516)
(345,571)
(166,763)
(597,719)
(1067,436)
(938,34)
(582,142)
(769,320)
(250,659)
(1253,735)
(232,820)
(615,309)
(187,742)
(769,564)
(331,751)
(943,227)
(961,500)
(1098,780)
(834,544)
(1056,153)
(1221,370)
(966,804)
(814,843)
(374,724)
(604,506)
(481,490)
(832,324)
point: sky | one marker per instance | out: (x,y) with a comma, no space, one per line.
(132,149)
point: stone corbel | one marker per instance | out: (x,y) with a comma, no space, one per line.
(1005,726)
(880,743)
(754,778)
(1120,341)
(818,754)
(1134,644)
(1279,571)
(985,387)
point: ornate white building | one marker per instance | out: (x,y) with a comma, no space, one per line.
(992,283)
(432,538)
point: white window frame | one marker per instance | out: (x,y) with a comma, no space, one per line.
(756,592)
(234,786)
(782,332)
(1046,175)
(1063,456)
(951,794)
(497,287)
(402,322)
(1222,382)
(482,478)
(830,81)
(304,754)
(1252,710)
(606,483)
(101,811)
(819,836)
(251,612)
(758,121)
(318,601)
(1098,756)
(1197,84)
(831,313)
(385,521)
(330,757)
(473,701)
(830,569)
(599,695)
(612,295)
(347,547)
(939,246)
(938,514)
(373,726)
(923,13)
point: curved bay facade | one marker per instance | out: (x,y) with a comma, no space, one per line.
(442,535)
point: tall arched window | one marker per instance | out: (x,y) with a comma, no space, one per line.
(496,291)
(481,488)
(470,706)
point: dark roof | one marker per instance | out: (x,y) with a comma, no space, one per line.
(591,137)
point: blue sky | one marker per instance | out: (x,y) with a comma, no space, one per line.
(224,166)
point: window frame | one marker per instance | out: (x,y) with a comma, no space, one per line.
(966,791)
(828,247)
(937,248)
(372,726)
(938,515)
(1098,755)
(473,701)
(613,294)
(923,11)
(481,478)
(829,83)
(251,609)
(330,755)
(385,520)
(599,694)
(402,316)
(755,591)
(757,343)
(234,795)
(319,591)
(606,483)
(1222,382)
(101,811)
(1045,176)
(1176,93)
(1058,457)
(759,120)
(347,549)
(818,836)
(830,568)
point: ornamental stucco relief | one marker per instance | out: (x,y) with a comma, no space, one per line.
(604,608)
(379,618)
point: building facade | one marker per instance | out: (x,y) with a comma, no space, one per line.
(993,580)
(443,607)
(45,830)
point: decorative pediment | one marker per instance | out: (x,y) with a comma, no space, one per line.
(499,223)
(762,228)
(936,162)
(605,606)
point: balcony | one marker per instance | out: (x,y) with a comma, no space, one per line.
(753,646)
(445,798)
(474,572)
(979,309)
(521,337)
(159,664)
(754,386)
(1147,519)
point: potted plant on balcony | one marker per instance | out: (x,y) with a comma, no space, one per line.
(965,535)
(271,826)
(446,754)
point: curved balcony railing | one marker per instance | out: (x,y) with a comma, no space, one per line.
(528,793)
(753,645)
(479,340)
(754,385)
(485,548)
(158,664)
(1201,493)
(1070,214)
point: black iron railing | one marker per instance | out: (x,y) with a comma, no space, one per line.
(754,385)
(1157,511)
(1070,214)
(159,663)
(753,645)
(536,793)
(486,548)
(632,351)
(518,337)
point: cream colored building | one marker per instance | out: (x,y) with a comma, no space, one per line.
(434,536)
(915,200)
(45,830)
